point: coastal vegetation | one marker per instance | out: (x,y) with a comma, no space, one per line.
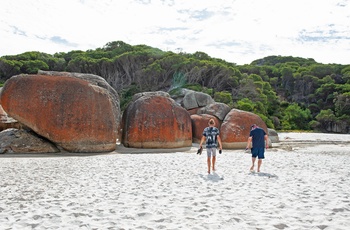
(288,93)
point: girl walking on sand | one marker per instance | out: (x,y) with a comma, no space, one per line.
(211,136)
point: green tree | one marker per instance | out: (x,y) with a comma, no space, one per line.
(342,104)
(322,70)
(223,97)
(9,68)
(127,94)
(287,80)
(325,119)
(32,66)
(296,118)
(245,104)
(346,74)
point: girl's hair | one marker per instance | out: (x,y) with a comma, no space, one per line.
(211,122)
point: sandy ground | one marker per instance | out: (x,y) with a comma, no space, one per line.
(304,184)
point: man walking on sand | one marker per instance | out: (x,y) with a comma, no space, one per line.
(259,140)
(211,136)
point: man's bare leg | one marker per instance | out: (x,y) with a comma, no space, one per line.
(259,164)
(253,162)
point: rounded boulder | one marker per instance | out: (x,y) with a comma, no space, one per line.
(154,120)
(236,127)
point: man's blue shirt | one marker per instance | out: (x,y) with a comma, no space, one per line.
(258,135)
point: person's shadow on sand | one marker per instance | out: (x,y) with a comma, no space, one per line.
(264,174)
(212,177)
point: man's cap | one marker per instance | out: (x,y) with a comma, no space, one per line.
(253,126)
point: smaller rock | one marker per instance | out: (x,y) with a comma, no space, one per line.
(193,99)
(24,141)
(273,135)
(7,122)
(217,109)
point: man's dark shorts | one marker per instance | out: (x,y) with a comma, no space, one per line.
(258,152)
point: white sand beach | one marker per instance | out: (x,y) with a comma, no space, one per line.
(304,184)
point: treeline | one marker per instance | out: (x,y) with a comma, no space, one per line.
(288,93)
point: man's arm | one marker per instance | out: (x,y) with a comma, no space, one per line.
(266,141)
(249,142)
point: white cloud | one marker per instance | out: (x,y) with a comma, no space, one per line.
(239,31)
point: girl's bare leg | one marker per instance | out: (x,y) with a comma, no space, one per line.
(214,160)
(208,165)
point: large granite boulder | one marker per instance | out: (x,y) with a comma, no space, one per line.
(24,141)
(235,128)
(79,112)
(154,120)
(199,122)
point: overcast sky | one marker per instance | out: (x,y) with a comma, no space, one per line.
(238,31)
